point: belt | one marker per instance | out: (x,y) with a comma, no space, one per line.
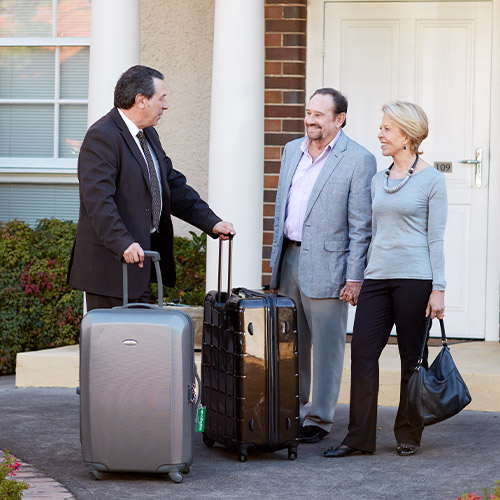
(295,243)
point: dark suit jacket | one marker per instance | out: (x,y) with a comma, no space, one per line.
(115,209)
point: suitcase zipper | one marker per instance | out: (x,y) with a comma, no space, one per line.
(272,350)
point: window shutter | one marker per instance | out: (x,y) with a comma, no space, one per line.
(27,72)
(32,202)
(31,18)
(27,130)
(74,72)
(72,128)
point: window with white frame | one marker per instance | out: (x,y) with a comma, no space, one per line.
(44,61)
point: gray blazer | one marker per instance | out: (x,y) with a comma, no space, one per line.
(337,224)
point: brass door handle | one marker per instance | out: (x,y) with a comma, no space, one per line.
(478,164)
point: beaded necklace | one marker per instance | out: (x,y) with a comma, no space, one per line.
(394,189)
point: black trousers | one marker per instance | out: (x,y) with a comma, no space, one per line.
(381,305)
(104,302)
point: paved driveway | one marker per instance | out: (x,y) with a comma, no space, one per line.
(41,426)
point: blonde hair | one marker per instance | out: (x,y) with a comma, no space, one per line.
(411,119)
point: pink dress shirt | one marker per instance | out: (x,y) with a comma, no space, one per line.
(303,181)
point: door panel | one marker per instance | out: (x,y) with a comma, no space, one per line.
(437,54)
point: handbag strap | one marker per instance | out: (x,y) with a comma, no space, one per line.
(444,340)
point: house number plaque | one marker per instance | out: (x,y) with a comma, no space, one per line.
(444,166)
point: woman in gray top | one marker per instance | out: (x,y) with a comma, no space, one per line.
(404,279)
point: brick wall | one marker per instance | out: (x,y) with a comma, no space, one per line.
(284,99)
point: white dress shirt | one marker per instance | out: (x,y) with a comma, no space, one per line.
(133,130)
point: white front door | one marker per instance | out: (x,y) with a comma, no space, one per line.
(437,54)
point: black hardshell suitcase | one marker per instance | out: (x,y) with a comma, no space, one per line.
(250,370)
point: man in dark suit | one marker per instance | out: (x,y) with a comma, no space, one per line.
(128,193)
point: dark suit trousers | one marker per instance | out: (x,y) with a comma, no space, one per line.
(381,304)
(104,302)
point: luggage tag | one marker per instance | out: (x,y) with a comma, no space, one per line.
(200,418)
(201,410)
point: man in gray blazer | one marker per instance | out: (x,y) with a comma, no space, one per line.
(322,229)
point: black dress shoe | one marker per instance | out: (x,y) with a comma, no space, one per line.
(311,434)
(404,449)
(344,451)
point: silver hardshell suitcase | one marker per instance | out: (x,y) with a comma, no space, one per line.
(137,388)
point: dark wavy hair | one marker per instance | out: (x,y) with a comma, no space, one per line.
(136,80)
(339,101)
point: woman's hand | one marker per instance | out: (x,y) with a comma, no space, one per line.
(350,292)
(435,306)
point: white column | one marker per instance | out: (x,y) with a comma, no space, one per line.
(114,47)
(236,158)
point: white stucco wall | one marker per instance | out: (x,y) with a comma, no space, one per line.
(176,37)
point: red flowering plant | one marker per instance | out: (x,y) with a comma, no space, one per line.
(487,494)
(10,488)
(39,310)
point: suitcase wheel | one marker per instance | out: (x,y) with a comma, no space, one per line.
(97,475)
(243,456)
(176,477)
(292,455)
(209,442)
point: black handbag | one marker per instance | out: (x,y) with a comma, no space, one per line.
(439,392)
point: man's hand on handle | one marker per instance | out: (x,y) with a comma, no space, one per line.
(224,229)
(134,253)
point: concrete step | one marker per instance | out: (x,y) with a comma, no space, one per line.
(478,362)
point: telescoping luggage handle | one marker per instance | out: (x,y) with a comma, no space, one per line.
(155,256)
(229,265)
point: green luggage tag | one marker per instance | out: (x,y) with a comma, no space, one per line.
(200,419)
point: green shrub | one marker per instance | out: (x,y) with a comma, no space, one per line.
(190,264)
(38,310)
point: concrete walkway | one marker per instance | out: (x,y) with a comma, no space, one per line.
(478,362)
(41,486)
(41,427)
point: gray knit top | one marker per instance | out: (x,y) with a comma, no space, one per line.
(408,229)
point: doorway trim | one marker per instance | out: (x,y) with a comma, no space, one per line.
(314,72)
